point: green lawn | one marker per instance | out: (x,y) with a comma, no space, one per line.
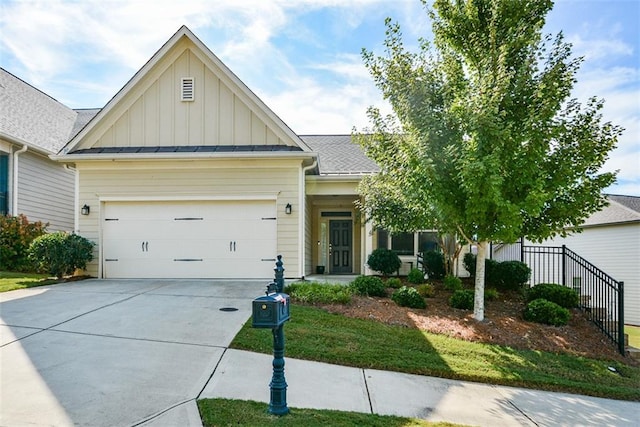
(314,334)
(11,281)
(634,335)
(224,412)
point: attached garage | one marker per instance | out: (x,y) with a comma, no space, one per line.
(189,239)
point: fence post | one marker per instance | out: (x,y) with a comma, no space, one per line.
(621,318)
(564,270)
(522,249)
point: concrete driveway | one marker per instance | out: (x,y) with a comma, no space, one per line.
(115,352)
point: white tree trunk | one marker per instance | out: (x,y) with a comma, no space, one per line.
(478,303)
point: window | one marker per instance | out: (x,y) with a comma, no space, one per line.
(4,184)
(428,241)
(383,239)
(403,243)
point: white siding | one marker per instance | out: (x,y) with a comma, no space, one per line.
(194,180)
(46,191)
(615,249)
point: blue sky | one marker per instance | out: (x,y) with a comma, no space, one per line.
(302,57)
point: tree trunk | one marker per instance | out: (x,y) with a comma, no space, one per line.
(478,303)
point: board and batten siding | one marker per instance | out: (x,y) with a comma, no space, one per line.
(194,180)
(46,191)
(152,114)
(615,249)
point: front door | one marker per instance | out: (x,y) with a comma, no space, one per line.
(341,246)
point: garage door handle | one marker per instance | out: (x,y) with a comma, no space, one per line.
(232,246)
(145,246)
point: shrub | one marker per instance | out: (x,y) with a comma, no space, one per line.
(452,282)
(368,286)
(491,294)
(426,290)
(434,264)
(415,276)
(394,282)
(319,293)
(511,275)
(543,311)
(491,274)
(16,234)
(408,297)
(384,261)
(60,253)
(561,295)
(462,299)
(469,262)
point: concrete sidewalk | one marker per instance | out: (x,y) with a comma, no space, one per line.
(245,375)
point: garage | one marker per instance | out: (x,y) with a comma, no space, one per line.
(189,239)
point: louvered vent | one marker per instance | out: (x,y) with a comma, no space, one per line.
(187,93)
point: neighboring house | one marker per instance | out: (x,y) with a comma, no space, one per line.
(33,126)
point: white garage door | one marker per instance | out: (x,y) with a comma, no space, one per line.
(221,239)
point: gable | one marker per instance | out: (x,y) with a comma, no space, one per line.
(150,111)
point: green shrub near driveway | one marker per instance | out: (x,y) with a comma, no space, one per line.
(561,295)
(16,234)
(462,299)
(415,276)
(408,297)
(60,253)
(369,286)
(547,312)
(384,261)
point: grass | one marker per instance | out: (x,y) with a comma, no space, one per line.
(11,281)
(225,412)
(314,334)
(634,335)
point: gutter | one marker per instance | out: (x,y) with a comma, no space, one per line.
(303,214)
(14,205)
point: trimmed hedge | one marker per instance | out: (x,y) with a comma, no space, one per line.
(368,286)
(506,275)
(61,253)
(415,276)
(319,293)
(384,261)
(434,264)
(462,299)
(561,295)
(408,297)
(394,282)
(452,283)
(547,312)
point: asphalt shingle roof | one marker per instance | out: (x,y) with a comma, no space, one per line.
(621,209)
(30,115)
(339,155)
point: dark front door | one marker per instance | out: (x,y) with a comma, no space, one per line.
(341,246)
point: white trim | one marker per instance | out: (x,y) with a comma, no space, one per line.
(189,198)
(186,156)
(302,222)
(16,154)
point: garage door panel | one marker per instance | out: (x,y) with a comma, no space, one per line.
(189,239)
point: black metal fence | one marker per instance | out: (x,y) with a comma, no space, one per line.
(601,296)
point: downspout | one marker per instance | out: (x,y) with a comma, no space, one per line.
(303,215)
(14,206)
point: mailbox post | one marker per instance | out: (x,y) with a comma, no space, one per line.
(271,311)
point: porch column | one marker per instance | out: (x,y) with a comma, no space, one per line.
(367,247)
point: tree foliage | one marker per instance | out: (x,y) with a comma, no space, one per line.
(485,140)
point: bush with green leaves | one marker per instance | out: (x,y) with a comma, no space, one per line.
(544,311)
(394,282)
(318,293)
(561,295)
(511,275)
(408,297)
(415,276)
(462,298)
(452,282)
(491,275)
(368,286)
(434,264)
(60,253)
(491,294)
(384,261)
(469,262)
(16,234)
(426,290)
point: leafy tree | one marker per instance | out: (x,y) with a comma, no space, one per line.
(485,141)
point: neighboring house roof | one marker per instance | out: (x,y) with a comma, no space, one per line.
(340,155)
(84,116)
(621,209)
(29,116)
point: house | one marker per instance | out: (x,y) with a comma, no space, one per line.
(610,239)
(34,126)
(187,173)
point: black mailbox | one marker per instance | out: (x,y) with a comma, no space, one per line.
(271,310)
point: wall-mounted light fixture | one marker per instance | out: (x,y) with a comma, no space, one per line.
(85,210)
(287,209)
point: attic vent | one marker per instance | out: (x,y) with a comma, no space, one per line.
(187,93)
